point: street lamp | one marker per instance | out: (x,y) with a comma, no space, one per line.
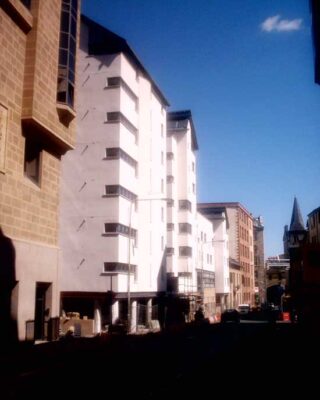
(129,254)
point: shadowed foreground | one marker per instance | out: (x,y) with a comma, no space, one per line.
(232,358)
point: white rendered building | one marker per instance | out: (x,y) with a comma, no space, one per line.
(205,265)
(219,220)
(113,205)
(182,204)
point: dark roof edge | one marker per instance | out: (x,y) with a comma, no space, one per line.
(226,204)
(185,114)
(125,48)
(314,211)
(218,209)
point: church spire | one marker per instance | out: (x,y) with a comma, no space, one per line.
(296,223)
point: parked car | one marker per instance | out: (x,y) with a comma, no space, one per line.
(230,315)
(244,308)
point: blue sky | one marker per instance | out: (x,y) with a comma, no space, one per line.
(250,88)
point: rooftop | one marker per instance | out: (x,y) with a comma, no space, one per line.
(296,223)
(202,206)
(178,120)
(103,41)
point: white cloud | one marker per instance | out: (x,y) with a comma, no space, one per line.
(277,24)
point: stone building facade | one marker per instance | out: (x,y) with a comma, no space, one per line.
(38,43)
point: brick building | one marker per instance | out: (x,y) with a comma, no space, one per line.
(37,80)
(240,236)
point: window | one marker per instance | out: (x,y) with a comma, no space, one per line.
(117,116)
(161,126)
(184,205)
(205,279)
(118,190)
(170,155)
(114,81)
(170,226)
(170,179)
(119,267)
(113,116)
(67,52)
(162,186)
(115,153)
(185,228)
(170,203)
(116,228)
(32,160)
(162,159)
(185,251)
(162,243)
(185,274)
(192,166)
(162,214)
(170,251)
(193,188)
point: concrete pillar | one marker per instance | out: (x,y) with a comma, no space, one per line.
(133,316)
(115,311)
(97,317)
(149,312)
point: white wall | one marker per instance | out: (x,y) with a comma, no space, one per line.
(152,221)
(180,168)
(205,256)
(221,250)
(85,172)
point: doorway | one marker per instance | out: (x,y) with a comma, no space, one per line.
(42,310)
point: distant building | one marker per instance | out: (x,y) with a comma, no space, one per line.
(37,126)
(277,273)
(296,234)
(313,225)
(259,265)
(304,275)
(219,221)
(205,264)
(236,274)
(240,239)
